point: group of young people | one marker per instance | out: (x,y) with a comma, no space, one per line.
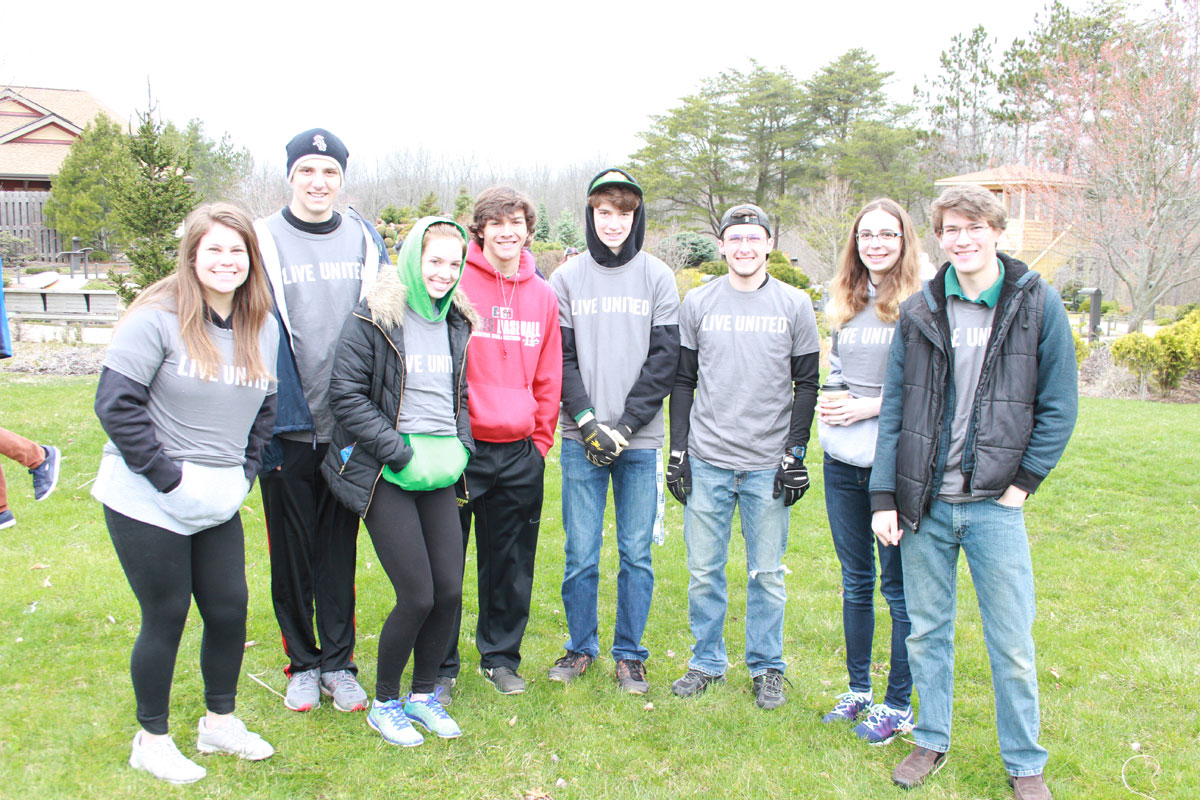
(422,397)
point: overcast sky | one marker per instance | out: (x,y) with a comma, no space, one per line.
(523,83)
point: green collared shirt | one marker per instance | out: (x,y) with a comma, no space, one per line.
(988,297)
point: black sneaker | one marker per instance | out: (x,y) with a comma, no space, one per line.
(45,475)
(505,679)
(631,675)
(446,684)
(570,666)
(694,682)
(768,689)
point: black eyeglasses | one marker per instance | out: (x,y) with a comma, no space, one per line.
(884,236)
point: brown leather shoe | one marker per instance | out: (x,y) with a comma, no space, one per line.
(919,765)
(1030,787)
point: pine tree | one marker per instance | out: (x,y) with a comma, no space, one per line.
(464,204)
(429,207)
(154,199)
(541,230)
(566,230)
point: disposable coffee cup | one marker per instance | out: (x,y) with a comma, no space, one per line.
(835,390)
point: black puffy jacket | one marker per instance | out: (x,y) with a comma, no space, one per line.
(367,386)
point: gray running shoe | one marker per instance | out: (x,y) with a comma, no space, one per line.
(446,684)
(303,690)
(694,682)
(505,679)
(345,690)
(631,675)
(570,666)
(768,690)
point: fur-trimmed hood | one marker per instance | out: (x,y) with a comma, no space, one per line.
(388,300)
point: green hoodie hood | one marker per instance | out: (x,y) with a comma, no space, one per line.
(409,268)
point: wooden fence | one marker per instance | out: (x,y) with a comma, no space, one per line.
(21,215)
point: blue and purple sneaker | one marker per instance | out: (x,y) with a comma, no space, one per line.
(849,706)
(883,723)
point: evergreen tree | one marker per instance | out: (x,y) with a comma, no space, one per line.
(541,230)
(152,202)
(216,167)
(567,230)
(464,204)
(429,207)
(84,192)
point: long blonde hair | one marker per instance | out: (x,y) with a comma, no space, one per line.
(848,293)
(182,293)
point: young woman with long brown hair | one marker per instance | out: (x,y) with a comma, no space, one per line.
(877,269)
(187,398)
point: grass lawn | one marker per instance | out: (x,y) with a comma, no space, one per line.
(1117,577)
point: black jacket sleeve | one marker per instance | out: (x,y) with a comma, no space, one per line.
(350,397)
(806,371)
(260,434)
(654,382)
(121,409)
(574,395)
(682,394)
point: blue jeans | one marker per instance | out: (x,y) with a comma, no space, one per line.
(707,523)
(848,503)
(993,538)
(635,495)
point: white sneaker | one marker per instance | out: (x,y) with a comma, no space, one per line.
(161,758)
(233,738)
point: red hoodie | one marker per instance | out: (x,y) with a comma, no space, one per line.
(514,360)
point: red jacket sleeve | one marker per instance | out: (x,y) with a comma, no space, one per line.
(547,380)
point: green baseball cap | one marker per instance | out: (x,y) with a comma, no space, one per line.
(615,177)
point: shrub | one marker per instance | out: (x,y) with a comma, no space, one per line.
(1186,310)
(15,252)
(688,279)
(394,215)
(546,247)
(718,267)
(779,266)
(1082,349)
(39,270)
(1138,353)
(1173,358)
(687,250)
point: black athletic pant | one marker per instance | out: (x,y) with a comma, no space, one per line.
(416,537)
(504,483)
(313,543)
(165,570)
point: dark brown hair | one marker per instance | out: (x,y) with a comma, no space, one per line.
(499,202)
(624,199)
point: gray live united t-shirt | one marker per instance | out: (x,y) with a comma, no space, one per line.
(322,278)
(427,405)
(745,342)
(611,311)
(970,331)
(196,418)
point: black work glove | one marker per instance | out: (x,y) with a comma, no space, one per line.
(599,444)
(679,475)
(791,480)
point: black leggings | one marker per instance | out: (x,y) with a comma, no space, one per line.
(418,539)
(165,570)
